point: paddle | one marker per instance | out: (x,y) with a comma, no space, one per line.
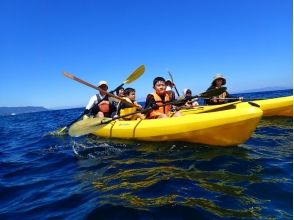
(135,75)
(249,99)
(59,131)
(90,125)
(203,109)
(171,77)
(204,95)
(238,99)
(97,88)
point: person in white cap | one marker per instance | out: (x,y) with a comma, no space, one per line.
(218,82)
(99,104)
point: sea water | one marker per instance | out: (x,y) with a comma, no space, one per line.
(45,176)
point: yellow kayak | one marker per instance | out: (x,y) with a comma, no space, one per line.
(282,106)
(209,108)
(228,127)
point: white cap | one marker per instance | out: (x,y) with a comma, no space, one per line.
(218,76)
(102,83)
(168,88)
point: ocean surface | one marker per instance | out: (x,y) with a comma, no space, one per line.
(46,176)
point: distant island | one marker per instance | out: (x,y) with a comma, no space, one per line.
(20,110)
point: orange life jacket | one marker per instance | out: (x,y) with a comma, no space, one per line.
(162,109)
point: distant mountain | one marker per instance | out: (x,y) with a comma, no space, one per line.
(20,110)
(67,107)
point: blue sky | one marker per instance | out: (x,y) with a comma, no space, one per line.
(249,41)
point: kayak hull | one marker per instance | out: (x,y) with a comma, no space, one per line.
(282,106)
(221,128)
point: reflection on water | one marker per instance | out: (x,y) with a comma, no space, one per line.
(221,181)
(134,183)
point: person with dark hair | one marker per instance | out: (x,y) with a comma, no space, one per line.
(120,92)
(190,103)
(124,108)
(159,101)
(218,82)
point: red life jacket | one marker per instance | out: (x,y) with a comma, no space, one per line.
(103,104)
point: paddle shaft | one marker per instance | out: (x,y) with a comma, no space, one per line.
(78,118)
(235,98)
(204,95)
(97,88)
(143,111)
(121,85)
(171,77)
(70,124)
(210,93)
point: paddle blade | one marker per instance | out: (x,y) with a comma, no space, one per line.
(87,126)
(135,75)
(213,92)
(59,132)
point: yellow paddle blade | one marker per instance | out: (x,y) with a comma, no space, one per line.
(135,75)
(59,132)
(87,126)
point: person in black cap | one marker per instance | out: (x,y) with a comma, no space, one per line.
(218,82)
